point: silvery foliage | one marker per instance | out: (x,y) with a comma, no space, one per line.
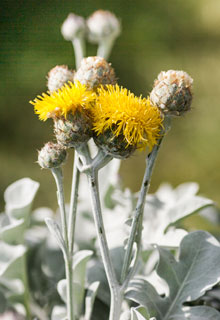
(18,197)
(166,285)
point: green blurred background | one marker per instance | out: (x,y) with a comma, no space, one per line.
(157,35)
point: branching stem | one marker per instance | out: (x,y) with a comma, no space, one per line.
(138,215)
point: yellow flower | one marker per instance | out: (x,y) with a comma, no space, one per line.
(67,99)
(122,112)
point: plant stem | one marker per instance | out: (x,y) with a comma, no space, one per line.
(73,204)
(58,176)
(116,298)
(138,216)
(79,49)
(105,48)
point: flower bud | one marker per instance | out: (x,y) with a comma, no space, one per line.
(73,27)
(101,25)
(172,92)
(51,156)
(58,76)
(113,145)
(73,130)
(95,71)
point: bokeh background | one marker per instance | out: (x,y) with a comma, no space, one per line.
(157,35)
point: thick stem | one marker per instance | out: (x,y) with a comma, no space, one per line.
(73,204)
(139,211)
(105,48)
(58,176)
(116,299)
(79,49)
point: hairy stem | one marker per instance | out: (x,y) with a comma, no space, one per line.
(79,49)
(105,48)
(58,176)
(138,215)
(73,204)
(116,299)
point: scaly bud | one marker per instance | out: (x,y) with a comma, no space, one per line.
(51,156)
(172,92)
(58,76)
(101,25)
(73,130)
(73,27)
(113,145)
(95,71)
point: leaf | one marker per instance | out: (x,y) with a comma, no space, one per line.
(58,313)
(13,233)
(165,208)
(12,286)
(3,302)
(80,260)
(186,208)
(96,272)
(196,271)
(135,315)
(90,299)
(19,197)
(76,294)
(140,313)
(55,231)
(199,313)
(11,260)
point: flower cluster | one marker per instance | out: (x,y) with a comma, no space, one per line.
(119,121)
(93,105)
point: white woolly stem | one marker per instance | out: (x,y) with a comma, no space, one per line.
(116,297)
(137,219)
(73,204)
(58,176)
(105,47)
(79,49)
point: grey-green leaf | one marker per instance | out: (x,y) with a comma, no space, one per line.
(196,271)
(58,313)
(55,231)
(90,299)
(3,302)
(19,197)
(140,313)
(165,208)
(80,260)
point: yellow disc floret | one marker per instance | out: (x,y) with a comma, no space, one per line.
(122,112)
(68,99)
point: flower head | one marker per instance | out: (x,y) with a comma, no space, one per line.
(51,156)
(66,100)
(58,76)
(95,71)
(172,92)
(121,112)
(101,25)
(73,27)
